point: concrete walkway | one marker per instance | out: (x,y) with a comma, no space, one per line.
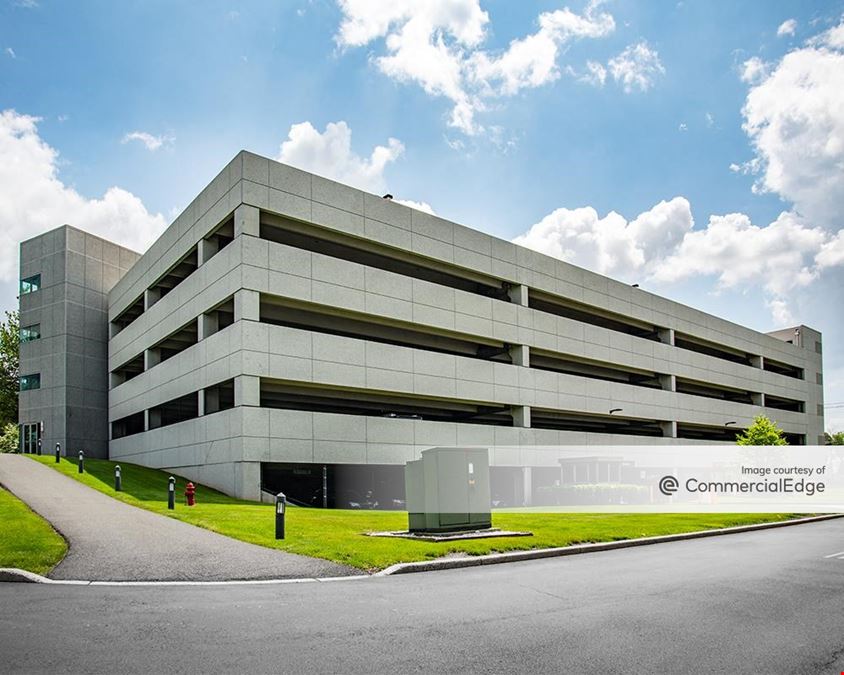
(112,541)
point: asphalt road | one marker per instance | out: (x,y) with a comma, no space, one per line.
(761,602)
(110,540)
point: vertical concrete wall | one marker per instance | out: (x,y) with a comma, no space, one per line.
(77,270)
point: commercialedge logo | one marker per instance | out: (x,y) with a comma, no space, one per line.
(668,485)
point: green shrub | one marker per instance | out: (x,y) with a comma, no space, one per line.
(9,439)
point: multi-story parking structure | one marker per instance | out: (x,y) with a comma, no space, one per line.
(287,327)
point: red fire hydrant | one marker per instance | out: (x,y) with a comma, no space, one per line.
(190,494)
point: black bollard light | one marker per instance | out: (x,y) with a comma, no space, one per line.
(171,494)
(58,452)
(118,484)
(280,508)
(39,447)
(81,466)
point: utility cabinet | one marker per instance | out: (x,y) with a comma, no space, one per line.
(448,490)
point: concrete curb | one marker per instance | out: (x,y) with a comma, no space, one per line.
(13,574)
(537,554)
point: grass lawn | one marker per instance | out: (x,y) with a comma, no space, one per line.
(26,540)
(338,534)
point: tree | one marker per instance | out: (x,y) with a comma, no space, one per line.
(762,432)
(9,438)
(9,376)
(835,439)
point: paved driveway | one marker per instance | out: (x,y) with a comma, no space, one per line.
(112,541)
(763,602)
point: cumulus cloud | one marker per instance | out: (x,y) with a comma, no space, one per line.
(437,45)
(794,118)
(10,53)
(754,70)
(330,154)
(611,245)
(787,27)
(419,206)
(637,67)
(778,257)
(662,246)
(33,199)
(150,142)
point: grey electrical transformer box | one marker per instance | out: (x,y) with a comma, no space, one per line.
(448,490)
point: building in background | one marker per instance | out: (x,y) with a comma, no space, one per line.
(287,330)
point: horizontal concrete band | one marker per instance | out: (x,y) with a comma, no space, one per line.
(297,355)
(308,277)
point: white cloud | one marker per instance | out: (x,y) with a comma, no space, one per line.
(683,127)
(753,70)
(787,27)
(436,44)
(152,143)
(662,246)
(778,257)
(794,117)
(330,154)
(710,119)
(611,245)
(419,206)
(10,53)
(637,67)
(832,252)
(595,74)
(33,199)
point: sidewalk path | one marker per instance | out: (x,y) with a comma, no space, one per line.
(112,541)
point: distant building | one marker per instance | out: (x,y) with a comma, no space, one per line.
(286,327)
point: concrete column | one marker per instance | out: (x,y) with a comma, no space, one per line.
(208,325)
(757,398)
(668,382)
(666,335)
(205,250)
(152,419)
(247,390)
(527,482)
(519,295)
(151,296)
(757,361)
(520,354)
(247,305)
(200,402)
(247,220)
(115,380)
(669,429)
(521,415)
(152,357)
(248,480)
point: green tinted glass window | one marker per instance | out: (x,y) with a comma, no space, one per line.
(30,284)
(29,333)
(29,382)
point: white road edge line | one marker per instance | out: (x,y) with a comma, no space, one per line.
(834,555)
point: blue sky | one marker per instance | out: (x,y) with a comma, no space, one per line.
(603,107)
